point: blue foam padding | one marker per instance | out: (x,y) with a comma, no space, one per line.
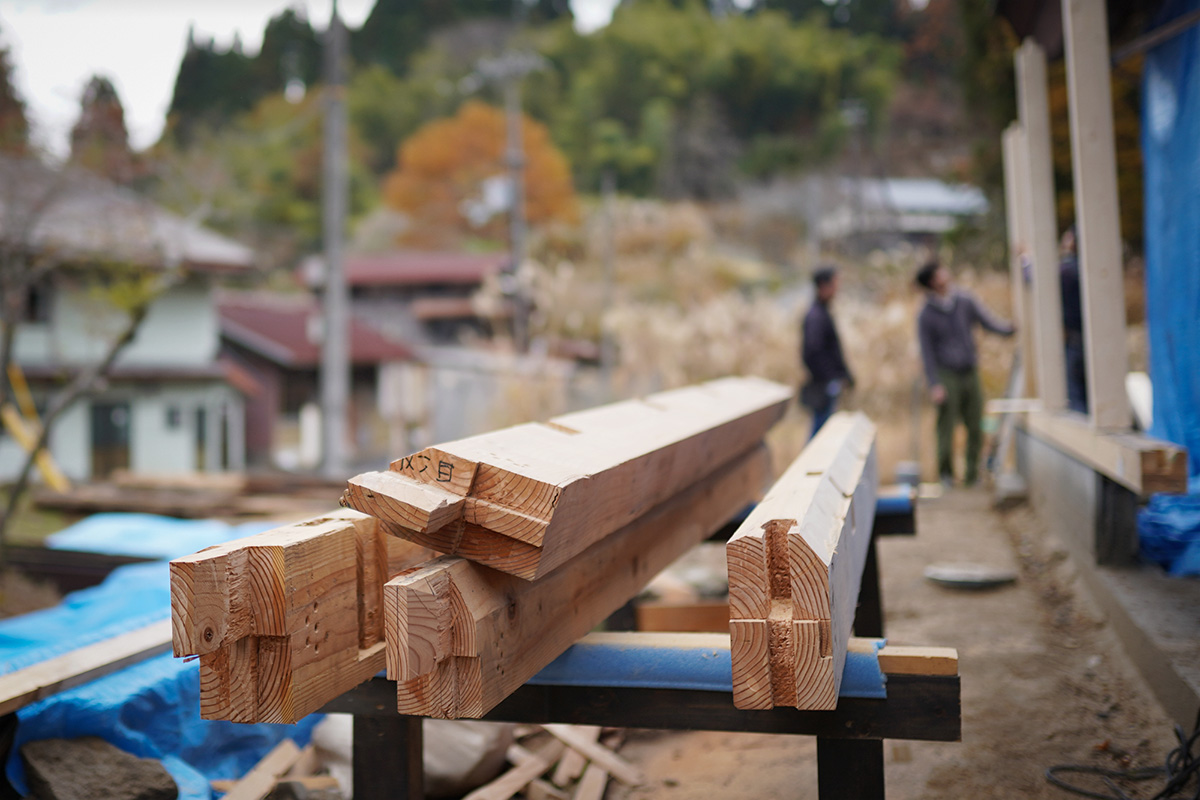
(899,502)
(706,668)
(148,535)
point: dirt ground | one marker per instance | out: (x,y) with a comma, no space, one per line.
(1044,680)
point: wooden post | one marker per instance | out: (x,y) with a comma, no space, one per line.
(1017,216)
(1098,221)
(388,758)
(1043,240)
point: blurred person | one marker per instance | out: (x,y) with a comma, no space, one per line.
(945,329)
(1072,313)
(821,352)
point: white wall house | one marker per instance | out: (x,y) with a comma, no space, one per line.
(168,405)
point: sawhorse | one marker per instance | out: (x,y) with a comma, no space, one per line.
(388,746)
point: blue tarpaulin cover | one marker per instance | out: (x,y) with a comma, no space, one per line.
(148,535)
(1171,151)
(151,709)
(1169,529)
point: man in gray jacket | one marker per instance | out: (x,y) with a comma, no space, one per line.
(945,328)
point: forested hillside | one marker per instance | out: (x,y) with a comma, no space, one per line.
(676,98)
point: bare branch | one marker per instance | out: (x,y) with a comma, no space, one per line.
(82,384)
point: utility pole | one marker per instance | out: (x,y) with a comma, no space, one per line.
(335,350)
(508,70)
(608,348)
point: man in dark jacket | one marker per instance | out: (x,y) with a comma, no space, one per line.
(821,352)
(1072,311)
(945,328)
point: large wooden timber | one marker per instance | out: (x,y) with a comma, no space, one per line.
(526,499)
(461,637)
(795,566)
(286,620)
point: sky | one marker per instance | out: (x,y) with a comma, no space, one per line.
(56,46)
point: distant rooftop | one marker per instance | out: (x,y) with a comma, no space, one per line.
(286,330)
(79,216)
(410,268)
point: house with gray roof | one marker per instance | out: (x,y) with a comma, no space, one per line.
(170,404)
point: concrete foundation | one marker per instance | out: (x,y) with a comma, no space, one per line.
(1157,617)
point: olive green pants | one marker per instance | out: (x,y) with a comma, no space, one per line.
(964,401)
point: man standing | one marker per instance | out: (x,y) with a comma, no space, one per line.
(945,329)
(821,352)
(1072,311)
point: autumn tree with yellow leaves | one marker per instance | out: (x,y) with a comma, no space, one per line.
(444,166)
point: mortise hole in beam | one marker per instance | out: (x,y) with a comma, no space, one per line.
(778,573)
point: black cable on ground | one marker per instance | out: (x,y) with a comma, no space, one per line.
(1181,767)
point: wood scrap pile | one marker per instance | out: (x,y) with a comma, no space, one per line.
(546,530)
(556,762)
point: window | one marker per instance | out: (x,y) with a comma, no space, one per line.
(37,303)
(174,418)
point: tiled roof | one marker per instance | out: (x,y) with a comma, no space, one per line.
(409,268)
(286,330)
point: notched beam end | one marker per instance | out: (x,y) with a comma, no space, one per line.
(419,621)
(402,500)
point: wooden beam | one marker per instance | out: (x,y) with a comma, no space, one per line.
(1141,463)
(571,765)
(597,753)
(1034,109)
(286,620)
(1016,216)
(528,766)
(795,566)
(525,500)
(260,780)
(1097,216)
(19,689)
(462,637)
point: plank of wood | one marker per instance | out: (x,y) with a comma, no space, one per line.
(539,789)
(597,753)
(528,767)
(592,784)
(527,499)
(313,783)
(795,566)
(707,616)
(261,779)
(19,689)
(1141,463)
(906,660)
(286,620)
(571,765)
(1097,212)
(462,637)
(1045,316)
(306,765)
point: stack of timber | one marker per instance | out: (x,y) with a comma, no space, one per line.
(526,499)
(795,566)
(582,763)
(288,619)
(461,637)
(583,511)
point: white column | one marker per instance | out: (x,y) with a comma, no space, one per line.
(235,430)
(1016,216)
(1034,110)
(1097,218)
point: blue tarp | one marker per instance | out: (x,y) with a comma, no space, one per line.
(1171,152)
(150,709)
(1169,528)
(148,535)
